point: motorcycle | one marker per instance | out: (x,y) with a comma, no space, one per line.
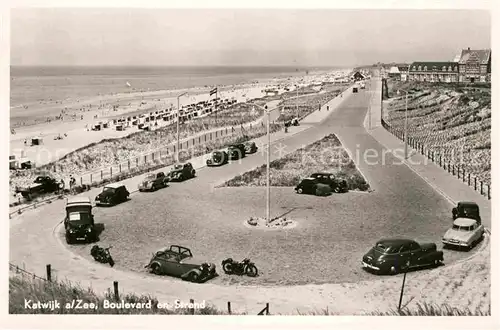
(245,267)
(102,255)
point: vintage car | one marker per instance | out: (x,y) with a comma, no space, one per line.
(153,181)
(79,221)
(236,151)
(468,210)
(178,261)
(112,194)
(218,158)
(250,147)
(312,186)
(464,233)
(42,185)
(292,122)
(337,185)
(399,255)
(355,89)
(181,172)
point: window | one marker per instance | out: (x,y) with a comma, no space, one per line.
(455,68)
(419,68)
(405,248)
(449,68)
(414,68)
(425,68)
(444,68)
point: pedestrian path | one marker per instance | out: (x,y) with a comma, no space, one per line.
(445,183)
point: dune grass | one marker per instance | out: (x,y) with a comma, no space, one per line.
(325,155)
(22,289)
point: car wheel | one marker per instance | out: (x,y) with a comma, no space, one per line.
(437,262)
(193,277)
(300,191)
(336,190)
(68,240)
(155,269)
(393,270)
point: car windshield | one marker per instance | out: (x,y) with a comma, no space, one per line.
(386,248)
(150,177)
(177,167)
(78,218)
(106,189)
(463,228)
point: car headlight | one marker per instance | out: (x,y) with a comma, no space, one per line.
(89,229)
(71,231)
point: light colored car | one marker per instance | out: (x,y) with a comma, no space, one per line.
(464,233)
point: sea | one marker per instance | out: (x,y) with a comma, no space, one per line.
(31,85)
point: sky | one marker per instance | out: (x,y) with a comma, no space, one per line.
(240,37)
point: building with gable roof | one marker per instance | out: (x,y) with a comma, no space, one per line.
(475,65)
(434,71)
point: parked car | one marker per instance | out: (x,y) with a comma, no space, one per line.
(337,185)
(399,255)
(468,210)
(236,151)
(250,147)
(178,261)
(313,186)
(43,184)
(79,221)
(181,172)
(153,181)
(465,233)
(355,89)
(218,158)
(292,122)
(112,194)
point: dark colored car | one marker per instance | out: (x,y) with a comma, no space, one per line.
(79,221)
(218,158)
(312,186)
(181,172)
(42,185)
(468,210)
(236,151)
(337,185)
(250,147)
(153,181)
(354,89)
(178,261)
(112,194)
(399,255)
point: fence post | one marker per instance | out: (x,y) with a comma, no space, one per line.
(81,181)
(216,134)
(458,171)
(475,183)
(128,163)
(115,289)
(489,196)
(468,183)
(49,273)
(453,169)
(229,307)
(463,174)
(111,172)
(137,162)
(267,308)
(440,161)
(101,174)
(191,310)
(145,159)
(90,178)
(402,290)
(481,187)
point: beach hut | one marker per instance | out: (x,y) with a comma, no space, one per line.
(36,141)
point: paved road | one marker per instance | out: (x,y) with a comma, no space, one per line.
(335,232)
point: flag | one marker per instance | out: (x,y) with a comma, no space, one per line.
(213,91)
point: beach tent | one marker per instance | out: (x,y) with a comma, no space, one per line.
(36,141)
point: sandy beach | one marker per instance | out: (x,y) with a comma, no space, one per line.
(77,116)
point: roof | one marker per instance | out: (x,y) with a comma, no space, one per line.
(438,66)
(394,69)
(481,55)
(464,222)
(395,241)
(467,203)
(78,200)
(113,185)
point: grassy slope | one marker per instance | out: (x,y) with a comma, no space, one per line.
(452,121)
(325,155)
